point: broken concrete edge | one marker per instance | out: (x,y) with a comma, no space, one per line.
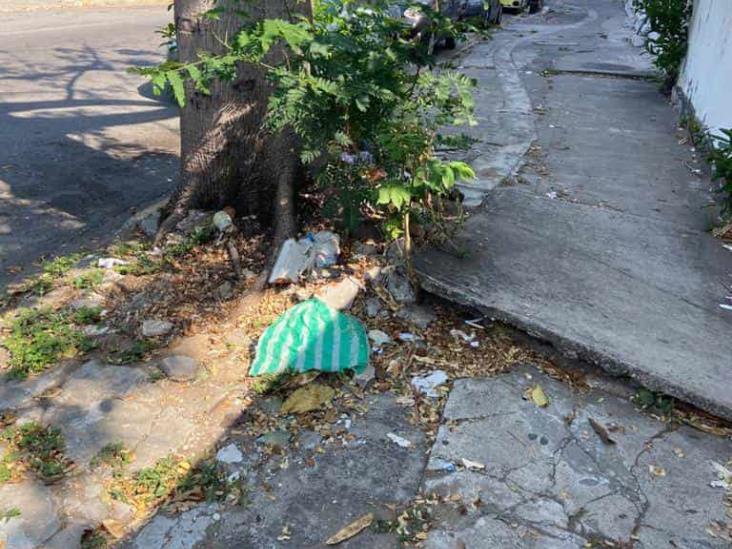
(605,360)
(151,209)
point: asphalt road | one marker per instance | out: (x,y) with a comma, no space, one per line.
(82,143)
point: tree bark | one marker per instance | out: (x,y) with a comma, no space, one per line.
(227,158)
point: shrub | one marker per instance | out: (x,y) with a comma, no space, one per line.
(365,99)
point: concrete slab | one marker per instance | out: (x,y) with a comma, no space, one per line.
(551,481)
(603,250)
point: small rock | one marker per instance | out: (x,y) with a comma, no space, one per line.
(180,368)
(365,249)
(225,291)
(365,377)
(193,220)
(309,440)
(373,274)
(271,406)
(277,439)
(379,338)
(373,307)
(92,331)
(156,328)
(149,224)
(90,301)
(419,315)
(400,288)
(340,295)
(230,454)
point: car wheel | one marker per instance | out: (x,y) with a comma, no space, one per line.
(536,6)
(499,14)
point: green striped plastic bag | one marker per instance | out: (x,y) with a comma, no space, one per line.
(312,336)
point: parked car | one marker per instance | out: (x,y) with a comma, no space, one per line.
(520,5)
(489,12)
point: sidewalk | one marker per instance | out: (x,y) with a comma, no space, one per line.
(601,242)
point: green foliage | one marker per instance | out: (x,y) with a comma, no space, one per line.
(59,266)
(720,156)
(669,19)
(87,315)
(9,514)
(40,337)
(89,279)
(134,353)
(35,447)
(113,455)
(364,97)
(654,402)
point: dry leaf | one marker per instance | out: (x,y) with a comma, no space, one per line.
(356,527)
(308,398)
(601,431)
(657,471)
(114,527)
(538,397)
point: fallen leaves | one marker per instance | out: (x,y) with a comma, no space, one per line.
(308,398)
(538,397)
(657,471)
(601,431)
(352,530)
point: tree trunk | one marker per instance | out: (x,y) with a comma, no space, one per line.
(227,158)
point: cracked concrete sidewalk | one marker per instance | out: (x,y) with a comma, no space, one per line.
(600,244)
(549,480)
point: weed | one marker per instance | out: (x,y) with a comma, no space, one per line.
(654,402)
(8,514)
(141,266)
(130,247)
(60,266)
(113,455)
(6,473)
(93,539)
(39,338)
(270,383)
(89,280)
(135,353)
(170,476)
(87,315)
(720,156)
(33,446)
(199,236)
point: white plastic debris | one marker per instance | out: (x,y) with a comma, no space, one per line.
(428,384)
(110,262)
(724,476)
(725,306)
(407,337)
(379,338)
(552,195)
(230,454)
(472,465)
(326,249)
(317,251)
(399,441)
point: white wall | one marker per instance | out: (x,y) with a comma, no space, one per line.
(706,78)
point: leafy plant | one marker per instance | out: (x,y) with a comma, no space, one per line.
(89,280)
(669,37)
(35,447)
(365,99)
(8,514)
(113,455)
(720,156)
(40,337)
(87,315)
(61,265)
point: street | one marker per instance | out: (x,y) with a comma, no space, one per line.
(81,143)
